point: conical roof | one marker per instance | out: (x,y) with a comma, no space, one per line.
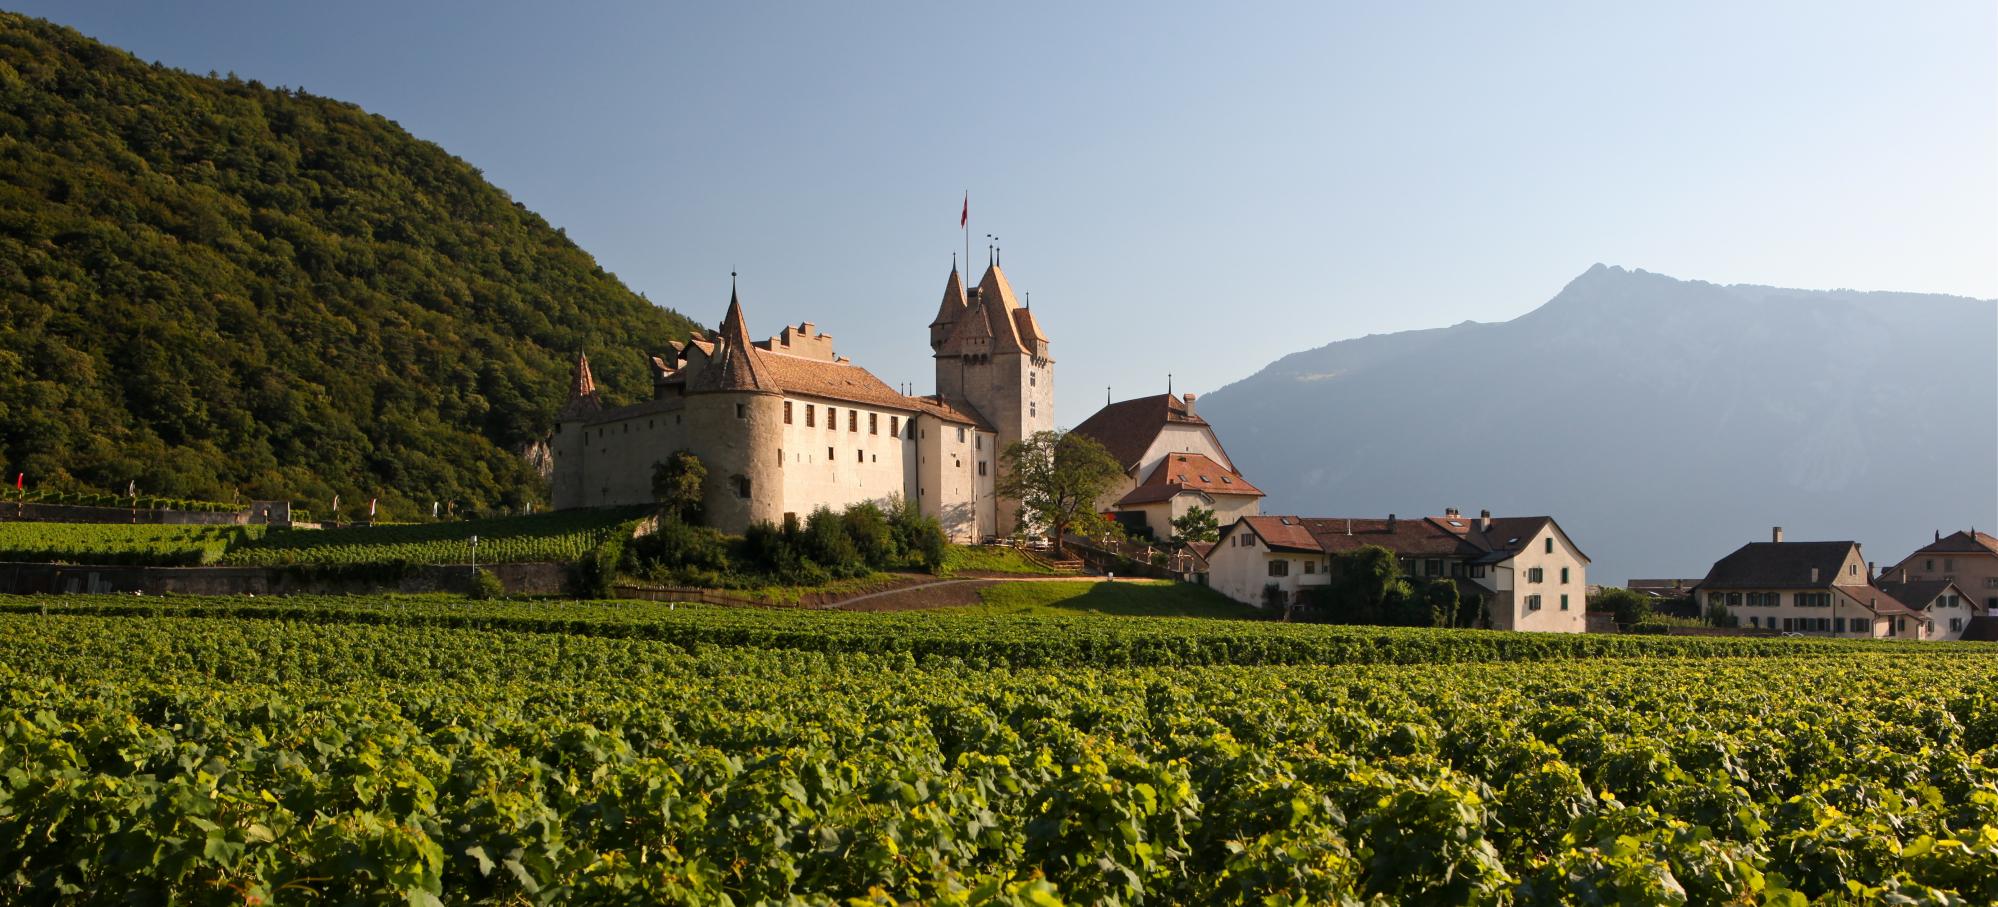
(583,398)
(995,296)
(953,304)
(733,365)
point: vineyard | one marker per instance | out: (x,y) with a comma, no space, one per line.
(554,537)
(371,750)
(113,543)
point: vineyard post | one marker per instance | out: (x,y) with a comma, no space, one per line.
(475,554)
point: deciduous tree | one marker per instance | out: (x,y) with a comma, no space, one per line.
(1056,477)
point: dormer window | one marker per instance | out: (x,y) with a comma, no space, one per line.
(1206,480)
(1227,481)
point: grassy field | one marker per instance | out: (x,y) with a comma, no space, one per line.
(990,559)
(1122,598)
(1061,743)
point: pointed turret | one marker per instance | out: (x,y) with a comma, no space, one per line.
(583,398)
(949,311)
(997,299)
(733,365)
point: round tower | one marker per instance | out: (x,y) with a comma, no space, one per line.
(735,424)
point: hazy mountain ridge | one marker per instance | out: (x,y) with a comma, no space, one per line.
(1663,421)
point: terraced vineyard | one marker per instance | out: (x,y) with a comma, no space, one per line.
(437,751)
(561,536)
(112,543)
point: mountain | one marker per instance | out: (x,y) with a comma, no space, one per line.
(216,288)
(1664,422)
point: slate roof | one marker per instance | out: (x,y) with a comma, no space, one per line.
(1981,629)
(1187,473)
(1127,428)
(1962,542)
(1779,565)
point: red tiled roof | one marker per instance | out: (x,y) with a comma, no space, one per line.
(1419,537)
(1184,473)
(1283,532)
(1127,428)
(948,413)
(1919,595)
(953,304)
(1877,600)
(734,365)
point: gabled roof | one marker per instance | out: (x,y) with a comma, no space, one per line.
(1188,473)
(935,406)
(1780,565)
(735,365)
(1962,542)
(1127,428)
(1919,595)
(1280,532)
(1876,600)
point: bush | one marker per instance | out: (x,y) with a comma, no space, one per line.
(1630,608)
(872,537)
(485,586)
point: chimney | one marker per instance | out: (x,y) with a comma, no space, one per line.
(1349,525)
(1871,572)
(1189,405)
(1449,511)
(1390,522)
(1776,534)
(1484,521)
(1938,535)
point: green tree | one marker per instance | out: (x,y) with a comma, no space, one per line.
(1056,477)
(1197,524)
(676,484)
(1440,595)
(1367,584)
(1630,608)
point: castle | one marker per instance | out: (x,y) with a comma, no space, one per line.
(786,425)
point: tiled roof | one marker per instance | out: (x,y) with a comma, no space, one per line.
(583,397)
(1918,595)
(1183,473)
(1874,599)
(1962,542)
(1418,537)
(1127,428)
(953,305)
(1283,532)
(1982,629)
(948,413)
(834,380)
(1779,565)
(734,365)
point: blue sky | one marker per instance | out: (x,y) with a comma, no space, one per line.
(1195,189)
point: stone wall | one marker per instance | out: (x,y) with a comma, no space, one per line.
(30,579)
(74,513)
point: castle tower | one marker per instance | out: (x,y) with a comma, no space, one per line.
(996,362)
(735,425)
(567,447)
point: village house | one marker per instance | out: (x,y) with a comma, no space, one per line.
(1967,558)
(786,425)
(1814,588)
(1948,609)
(1172,461)
(1525,572)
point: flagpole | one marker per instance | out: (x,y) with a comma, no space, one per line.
(964,223)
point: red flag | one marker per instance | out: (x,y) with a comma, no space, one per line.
(965,217)
(19,479)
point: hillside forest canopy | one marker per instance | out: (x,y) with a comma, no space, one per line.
(222,290)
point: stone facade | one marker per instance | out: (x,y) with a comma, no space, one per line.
(786,425)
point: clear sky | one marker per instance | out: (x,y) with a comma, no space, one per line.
(1186,188)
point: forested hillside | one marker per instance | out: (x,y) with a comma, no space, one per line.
(217,288)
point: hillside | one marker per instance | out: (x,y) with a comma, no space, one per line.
(215,288)
(1664,422)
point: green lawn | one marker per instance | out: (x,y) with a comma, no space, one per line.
(989,559)
(1123,598)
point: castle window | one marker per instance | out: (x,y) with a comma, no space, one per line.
(780,458)
(832,419)
(960,434)
(981,467)
(811,415)
(978,442)
(787,412)
(829,455)
(895,426)
(1030,378)
(742,411)
(873,458)
(853,420)
(859,456)
(741,484)
(1033,409)
(873,423)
